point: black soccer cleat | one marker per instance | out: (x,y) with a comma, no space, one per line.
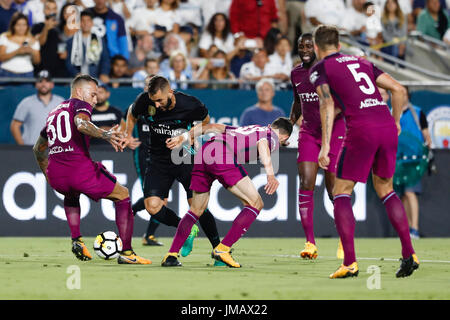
(407,266)
(151,241)
(80,250)
(171,260)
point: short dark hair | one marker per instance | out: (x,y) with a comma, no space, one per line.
(304,35)
(326,36)
(82,78)
(118,57)
(283,124)
(157,83)
(87,13)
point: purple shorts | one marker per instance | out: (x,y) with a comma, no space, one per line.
(309,145)
(365,149)
(215,161)
(90,178)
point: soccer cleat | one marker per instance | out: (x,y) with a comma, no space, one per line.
(171,260)
(407,266)
(189,243)
(223,253)
(340,251)
(346,271)
(310,251)
(150,241)
(80,250)
(130,257)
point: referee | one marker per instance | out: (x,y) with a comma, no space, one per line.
(168,113)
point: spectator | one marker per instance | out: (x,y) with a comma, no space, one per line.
(118,70)
(433,21)
(18,49)
(125,9)
(395,26)
(187,34)
(178,70)
(263,112)
(419,5)
(355,19)
(217,32)
(6,12)
(211,7)
(167,16)
(297,22)
(239,56)
(282,17)
(87,50)
(260,68)
(34,10)
(104,115)
(414,122)
(53,50)
(113,28)
(190,13)
(253,18)
(151,66)
(172,42)
(31,113)
(144,19)
(325,12)
(144,50)
(217,68)
(68,23)
(281,60)
(374,28)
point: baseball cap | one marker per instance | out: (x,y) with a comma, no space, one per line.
(44,74)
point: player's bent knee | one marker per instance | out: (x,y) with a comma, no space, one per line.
(257,203)
(153,205)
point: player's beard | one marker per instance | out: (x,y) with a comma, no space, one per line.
(167,106)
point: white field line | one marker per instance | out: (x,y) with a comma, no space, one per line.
(357,258)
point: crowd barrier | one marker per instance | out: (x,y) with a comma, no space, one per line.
(30,207)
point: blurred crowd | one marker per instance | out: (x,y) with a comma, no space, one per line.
(195,39)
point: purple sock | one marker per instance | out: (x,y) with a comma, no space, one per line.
(125,222)
(72,210)
(240,225)
(345,225)
(397,217)
(183,230)
(306,209)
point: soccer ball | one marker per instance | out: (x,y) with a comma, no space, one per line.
(107,245)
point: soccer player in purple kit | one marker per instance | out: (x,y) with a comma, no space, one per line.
(306,108)
(221,158)
(350,84)
(70,170)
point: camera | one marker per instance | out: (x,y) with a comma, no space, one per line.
(25,43)
(250,44)
(50,16)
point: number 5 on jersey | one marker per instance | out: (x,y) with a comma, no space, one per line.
(359,76)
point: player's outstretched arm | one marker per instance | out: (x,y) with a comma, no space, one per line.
(327,119)
(85,126)
(40,153)
(266,160)
(399,95)
(196,131)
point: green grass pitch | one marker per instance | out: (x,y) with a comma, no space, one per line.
(40,268)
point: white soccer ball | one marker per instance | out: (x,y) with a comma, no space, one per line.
(107,245)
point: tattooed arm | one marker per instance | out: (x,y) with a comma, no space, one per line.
(40,153)
(85,126)
(327,119)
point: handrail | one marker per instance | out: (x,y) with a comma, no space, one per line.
(393,59)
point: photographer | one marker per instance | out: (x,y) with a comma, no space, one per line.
(217,68)
(52,47)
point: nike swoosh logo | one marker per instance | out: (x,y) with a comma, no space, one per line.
(297,84)
(303,202)
(131,260)
(340,137)
(216,251)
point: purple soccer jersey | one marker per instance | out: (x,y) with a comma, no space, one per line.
(243,141)
(222,156)
(71,170)
(66,144)
(352,81)
(370,142)
(309,100)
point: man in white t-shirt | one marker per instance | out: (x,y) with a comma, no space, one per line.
(325,12)
(143,19)
(355,18)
